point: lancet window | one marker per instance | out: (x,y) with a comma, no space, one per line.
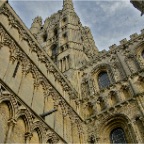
(103,79)
(118,136)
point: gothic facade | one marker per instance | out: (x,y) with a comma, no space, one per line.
(93,96)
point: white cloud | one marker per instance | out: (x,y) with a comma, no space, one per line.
(109,20)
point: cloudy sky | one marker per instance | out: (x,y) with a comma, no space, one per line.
(110,20)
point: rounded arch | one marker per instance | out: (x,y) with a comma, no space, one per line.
(103,67)
(113,122)
(98,70)
(51,137)
(12,104)
(5,117)
(39,129)
(27,117)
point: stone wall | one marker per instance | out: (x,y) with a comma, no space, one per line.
(33,77)
(120,104)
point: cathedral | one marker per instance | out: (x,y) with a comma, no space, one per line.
(57,87)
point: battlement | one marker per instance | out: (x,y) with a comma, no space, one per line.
(125,41)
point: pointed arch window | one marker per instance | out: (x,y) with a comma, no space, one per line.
(54,51)
(118,136)
(103,79)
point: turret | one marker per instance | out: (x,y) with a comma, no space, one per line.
(68,5)
(36,25)
(89,45)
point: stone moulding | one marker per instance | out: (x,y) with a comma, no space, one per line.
(28,66)
(21,108)
(34,47)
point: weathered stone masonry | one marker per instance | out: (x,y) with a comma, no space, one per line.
(56,65)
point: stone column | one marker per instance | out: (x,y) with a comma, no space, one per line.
(64,127)
(133,136)
(139,104)
(138,136)
(135,90)
(59,64)
(141,100)
(62,65)
(11,124)
(123,64)
(67,66)
(28,137)
(104,101)
(142,120)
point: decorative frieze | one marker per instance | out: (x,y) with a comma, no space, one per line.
(33,120)
(42,56)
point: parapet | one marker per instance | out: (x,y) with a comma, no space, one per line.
(113,47)
(124,41)
(133,36)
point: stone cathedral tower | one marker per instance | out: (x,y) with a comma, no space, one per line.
(57,87)
(65,40)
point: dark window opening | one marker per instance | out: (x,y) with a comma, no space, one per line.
(56,32)
(64,35)
(44,37)
(118,136)
(62,49)
(16,69)
(50,141)
(64,19)
(142,54)
(92,140)
(54,51)
(103,80)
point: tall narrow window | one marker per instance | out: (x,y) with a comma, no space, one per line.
(16,69)
(118,136)
(56,32)
(142,54)
(103,80)
(54,51)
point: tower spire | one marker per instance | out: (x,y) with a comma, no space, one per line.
(68,4)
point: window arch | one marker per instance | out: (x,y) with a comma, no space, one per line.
(103,79)
(54,50)
(118,136)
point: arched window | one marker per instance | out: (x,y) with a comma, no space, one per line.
(54,50)
(103,79)
(118,136)
(142,54)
